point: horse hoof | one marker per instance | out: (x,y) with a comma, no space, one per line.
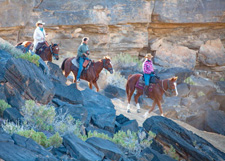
(162,115)
(128,111)
(138,111)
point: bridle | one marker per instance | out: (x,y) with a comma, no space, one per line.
(106,65)
(169,91)
(54,54)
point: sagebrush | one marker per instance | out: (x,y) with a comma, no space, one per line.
(31,58)
(3,106)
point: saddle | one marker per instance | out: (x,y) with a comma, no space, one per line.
(141,82)
(41,47)
(86,63)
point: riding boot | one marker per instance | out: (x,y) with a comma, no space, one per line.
(145,91)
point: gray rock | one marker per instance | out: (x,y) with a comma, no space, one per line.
(220,98)
(92,129)
(183,90)
(81,150)
(215,121)
(68,94)
(12,114)
(29,80)
(221,85)
(114,92)
(170,133)
(109,148)
(131,125)
(55,73)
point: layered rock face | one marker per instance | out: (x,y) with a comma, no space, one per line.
(119,26)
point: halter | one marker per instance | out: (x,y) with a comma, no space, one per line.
(54,54)
(104,65)
(169,91)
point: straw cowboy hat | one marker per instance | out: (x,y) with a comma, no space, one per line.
(39,22)
(148,56)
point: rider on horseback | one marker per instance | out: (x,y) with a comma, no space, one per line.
(39,35)
(148,71)
(82,55)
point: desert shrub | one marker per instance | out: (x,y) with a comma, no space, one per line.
(40,117)
(11,127)
(3,105)
(55,140)
(6,46)
(189,81)
(200,93)
(116,79)
(126,60)
(40,138)
(31,58)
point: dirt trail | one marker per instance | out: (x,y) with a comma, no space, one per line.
(216,140)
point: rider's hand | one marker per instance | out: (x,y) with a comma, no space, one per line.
(85,54)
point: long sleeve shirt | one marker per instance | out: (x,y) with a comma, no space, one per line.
(39,36)
(147,67)
(83,48)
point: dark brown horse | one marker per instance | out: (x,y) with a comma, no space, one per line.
(91,74)
(49,52)
(167,86)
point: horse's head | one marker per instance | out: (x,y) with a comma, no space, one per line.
(54,48)
(107,64)
(172,86)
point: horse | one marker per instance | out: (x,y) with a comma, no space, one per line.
(167,86)
(91,74)
(46,55)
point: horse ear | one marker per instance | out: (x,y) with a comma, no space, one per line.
(174,79)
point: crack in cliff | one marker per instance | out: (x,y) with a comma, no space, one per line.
(152,15)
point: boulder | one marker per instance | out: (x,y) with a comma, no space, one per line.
(2,93)
(68,94)
(110,149)
(169,55)
(55,73)
(12,114)
(215,121)
(29,80)
(183,90)
(78,112)
(187,145)
(212,53)
(4,56)
(81,150)
(149,154)
(197,120)
(197,90)
(131,125)
(20,148)
(181,72)
(121,119)
(114,92)
(221,85)
(220,98)
(101,112)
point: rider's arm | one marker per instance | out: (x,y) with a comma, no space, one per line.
(37,36)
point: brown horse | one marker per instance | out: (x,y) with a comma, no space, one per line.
(167,86)
(49,52)
(91,74)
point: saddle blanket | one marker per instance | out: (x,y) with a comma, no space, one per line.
(141,83)
(76,64)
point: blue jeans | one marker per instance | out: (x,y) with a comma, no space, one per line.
(147,78)
(81,61)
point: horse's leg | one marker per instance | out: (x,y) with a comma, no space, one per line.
(96,86)
(136,101)
(90,85)
(150,110)
(160,107)
(130,91)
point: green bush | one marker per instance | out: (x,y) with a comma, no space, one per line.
(4,45)
(189,81)
(116,79)
(32,58)
(3,105)
(125,60)
(40,117)
(41,138)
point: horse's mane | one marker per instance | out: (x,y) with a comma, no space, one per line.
(106,57)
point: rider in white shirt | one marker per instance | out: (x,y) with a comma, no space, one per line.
(39,34)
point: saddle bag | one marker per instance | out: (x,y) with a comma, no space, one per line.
(86,62)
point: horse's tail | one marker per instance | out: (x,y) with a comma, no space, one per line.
(63,64)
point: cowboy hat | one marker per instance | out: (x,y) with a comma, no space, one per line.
(39,22)
(148,56)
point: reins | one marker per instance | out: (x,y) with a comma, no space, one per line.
(169,91)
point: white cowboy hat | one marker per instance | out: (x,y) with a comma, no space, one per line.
(39,22)
(148,55)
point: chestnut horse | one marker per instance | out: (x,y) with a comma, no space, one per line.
(91,74)
(49,52)
(167,86)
